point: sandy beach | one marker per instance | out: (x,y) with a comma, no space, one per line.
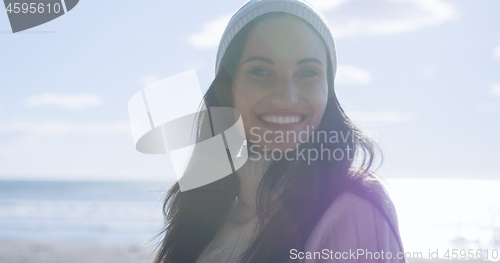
(31,252)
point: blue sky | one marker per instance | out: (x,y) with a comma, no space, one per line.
(423,77)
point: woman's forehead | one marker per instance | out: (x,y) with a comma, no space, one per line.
(285,38)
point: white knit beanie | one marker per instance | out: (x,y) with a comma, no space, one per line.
(255,8)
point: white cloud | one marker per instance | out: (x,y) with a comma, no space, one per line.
(384,17)
(380,116)
(347,74)
(60,128)
(496,52)
(211,33)
(76,101)
(495,89)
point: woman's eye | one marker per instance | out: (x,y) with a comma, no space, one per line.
(308,73)
(259,72)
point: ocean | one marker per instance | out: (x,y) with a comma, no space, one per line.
(97,212)
(432,213)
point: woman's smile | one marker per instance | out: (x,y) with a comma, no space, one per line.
(281,120)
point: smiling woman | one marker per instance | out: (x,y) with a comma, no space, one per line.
(276,65)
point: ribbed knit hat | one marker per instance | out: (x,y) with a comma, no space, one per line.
(255,8)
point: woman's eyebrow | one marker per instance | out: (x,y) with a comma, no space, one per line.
(263,59)
(307,60)
(270,61)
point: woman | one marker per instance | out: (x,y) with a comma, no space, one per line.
(276,65)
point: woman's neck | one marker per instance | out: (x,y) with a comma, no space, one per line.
(250,176)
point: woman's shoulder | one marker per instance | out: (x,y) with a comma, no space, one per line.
(364,200)
(352,207)
(355,221)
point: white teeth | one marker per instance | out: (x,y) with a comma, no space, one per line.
(281,119)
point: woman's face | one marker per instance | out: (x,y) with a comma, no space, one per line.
(280,86)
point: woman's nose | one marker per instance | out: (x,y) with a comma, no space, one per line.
(284,95)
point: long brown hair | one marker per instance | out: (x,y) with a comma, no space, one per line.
(193,218)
